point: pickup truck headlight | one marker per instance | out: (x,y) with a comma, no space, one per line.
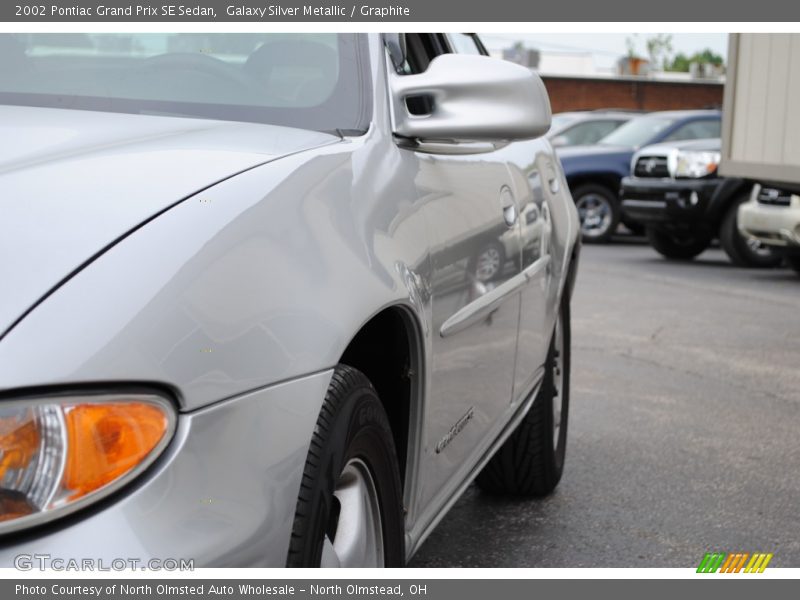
(693,165)
(59,454)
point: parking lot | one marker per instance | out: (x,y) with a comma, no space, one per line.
(684,419)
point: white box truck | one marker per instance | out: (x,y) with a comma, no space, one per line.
(761,136)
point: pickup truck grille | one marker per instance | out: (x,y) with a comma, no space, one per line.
(651,166)
(774,197)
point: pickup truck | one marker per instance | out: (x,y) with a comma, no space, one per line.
(594,173)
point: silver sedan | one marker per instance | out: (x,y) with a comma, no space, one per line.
(273,299)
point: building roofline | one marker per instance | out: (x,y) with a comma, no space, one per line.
(638,79)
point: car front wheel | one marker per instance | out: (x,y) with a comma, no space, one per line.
(349,510)
(599,212)
(794,262)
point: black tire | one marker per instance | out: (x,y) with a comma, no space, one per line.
(589,195)
(677,246)
(794,262)
(635,228)
(530,463)
(352,425)
(741,251)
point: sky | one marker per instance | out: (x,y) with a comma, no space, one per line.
(606,48)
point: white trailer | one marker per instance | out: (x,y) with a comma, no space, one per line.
(761,136)
(761,118)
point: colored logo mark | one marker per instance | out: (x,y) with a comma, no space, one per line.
(721,562)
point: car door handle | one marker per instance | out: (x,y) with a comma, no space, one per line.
(510,214)
(509,204)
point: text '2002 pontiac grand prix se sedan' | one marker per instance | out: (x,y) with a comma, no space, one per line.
(273,299)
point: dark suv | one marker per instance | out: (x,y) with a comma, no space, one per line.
(676,194)
(594,172)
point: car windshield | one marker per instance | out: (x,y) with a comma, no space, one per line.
(637,132)
(301,80)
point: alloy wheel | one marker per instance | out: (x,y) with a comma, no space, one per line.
(595,214)
(355,539)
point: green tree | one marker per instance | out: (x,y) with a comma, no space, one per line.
(681,61)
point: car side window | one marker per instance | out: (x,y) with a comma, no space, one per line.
(696,130)
(465,43)
(421,49)
(590,132)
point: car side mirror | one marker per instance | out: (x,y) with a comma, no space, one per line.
(559,140)
(470,98)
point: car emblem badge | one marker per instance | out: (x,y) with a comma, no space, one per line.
(455,430)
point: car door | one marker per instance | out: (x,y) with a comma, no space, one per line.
(472,208)
(536,224)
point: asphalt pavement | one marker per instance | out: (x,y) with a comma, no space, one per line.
(684,433)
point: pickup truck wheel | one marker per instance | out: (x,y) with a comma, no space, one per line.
(599,212)
(744,251)
(349,511)
(794,263)
(634,228)
(677,246)
(531,461)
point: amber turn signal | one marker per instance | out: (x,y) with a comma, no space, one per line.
(57,456)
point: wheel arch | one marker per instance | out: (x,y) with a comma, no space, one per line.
(609,180)
(388,350)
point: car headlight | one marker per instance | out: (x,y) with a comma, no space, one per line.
(59,454)
(693,164)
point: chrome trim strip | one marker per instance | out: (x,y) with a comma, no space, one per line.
(476,311)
